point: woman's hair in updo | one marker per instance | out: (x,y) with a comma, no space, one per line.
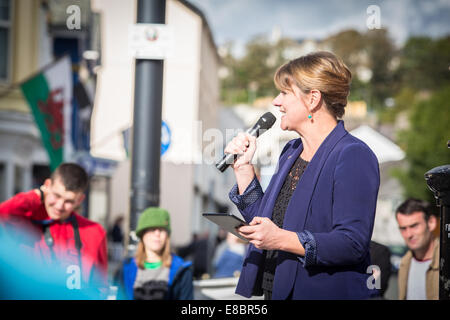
(322,71)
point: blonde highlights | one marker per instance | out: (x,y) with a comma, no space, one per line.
(322,71)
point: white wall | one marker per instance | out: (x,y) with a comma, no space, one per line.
(115,82)
(113,107)
(181,85)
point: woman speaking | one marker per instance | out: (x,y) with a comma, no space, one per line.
(310,230)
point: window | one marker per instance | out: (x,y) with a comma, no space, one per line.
(5,38)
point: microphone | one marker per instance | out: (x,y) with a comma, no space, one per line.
(265,122)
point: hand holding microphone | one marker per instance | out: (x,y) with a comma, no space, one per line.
(242,148)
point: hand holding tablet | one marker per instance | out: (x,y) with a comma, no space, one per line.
(227,221)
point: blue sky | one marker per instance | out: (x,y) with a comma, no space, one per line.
(241,20)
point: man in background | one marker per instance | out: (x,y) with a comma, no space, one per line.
(57,235)
(418,275)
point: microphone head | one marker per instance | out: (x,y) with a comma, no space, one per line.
(266,121)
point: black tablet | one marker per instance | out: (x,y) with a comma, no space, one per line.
(227,221)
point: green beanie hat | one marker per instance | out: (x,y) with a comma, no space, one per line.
(153,217)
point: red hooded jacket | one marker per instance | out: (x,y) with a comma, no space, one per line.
(27,206)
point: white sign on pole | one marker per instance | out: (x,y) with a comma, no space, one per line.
(150,41)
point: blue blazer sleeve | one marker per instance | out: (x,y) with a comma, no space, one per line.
(355,190)
(248,202)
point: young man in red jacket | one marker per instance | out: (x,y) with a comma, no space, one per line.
(60,235)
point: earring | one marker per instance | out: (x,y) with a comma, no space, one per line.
(309,116)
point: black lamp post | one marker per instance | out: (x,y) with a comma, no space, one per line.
(146,147)
(438,180)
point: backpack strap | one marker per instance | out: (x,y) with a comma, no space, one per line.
(48,238)
(76,233)
(45,224)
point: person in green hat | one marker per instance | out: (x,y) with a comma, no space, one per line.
(154,273)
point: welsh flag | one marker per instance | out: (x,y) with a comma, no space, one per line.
(49,95)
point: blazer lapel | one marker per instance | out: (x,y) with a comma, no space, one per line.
(298,208)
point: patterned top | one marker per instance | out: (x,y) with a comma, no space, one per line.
(281,204)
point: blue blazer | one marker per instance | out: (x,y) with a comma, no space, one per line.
(334,205)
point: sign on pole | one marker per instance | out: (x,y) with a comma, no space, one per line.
(150,41)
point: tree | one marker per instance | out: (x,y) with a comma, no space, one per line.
(348,44)
(425,63)
(404,99)
(232,90)
(425,142)
(373,51)
(381,52)
(251,76)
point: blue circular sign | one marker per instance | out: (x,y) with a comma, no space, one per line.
(165,137)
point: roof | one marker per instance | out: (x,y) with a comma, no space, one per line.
(384,149)
(205,22)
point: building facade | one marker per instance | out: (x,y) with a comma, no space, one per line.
(33,34)
(23,161)
(189,109)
